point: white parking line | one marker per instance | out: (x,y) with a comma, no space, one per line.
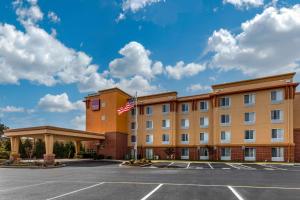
(235,193)
(188,165)
(75,191)
(150,193)
(210,165)
(170,164)
(26,186)
(247,167)
(269,167)
(232,165)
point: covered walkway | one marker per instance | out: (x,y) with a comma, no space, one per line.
(49,134)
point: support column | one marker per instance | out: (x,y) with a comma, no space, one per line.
(49,157)
(77,148)
(14,154)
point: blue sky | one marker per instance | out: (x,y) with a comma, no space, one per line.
(53,53)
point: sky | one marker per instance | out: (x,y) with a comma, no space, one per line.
(55,52)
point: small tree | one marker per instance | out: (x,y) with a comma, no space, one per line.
(2,129)
(27,143)
(170,152)
(39,148)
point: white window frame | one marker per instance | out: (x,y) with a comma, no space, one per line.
(227,137)
(168,124)
(250,122)
(150,136)
(151,122)
(186,123)
(204,157)
(205,138)
(280,120)
(280,151)
(250,158)
(168,108)
(207,106)
(252,98)
(149,153)
(205,122)
(250,140)
(186,136)
(165,141)
(226,157)
(185,157)
(150,109)
(276,101)
(133,135)
(225,106)
(281,133)
(185,105)
(225,124)
(131,125)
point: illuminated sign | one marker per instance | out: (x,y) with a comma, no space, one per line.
(95,104)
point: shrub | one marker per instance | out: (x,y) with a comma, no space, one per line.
(4,155)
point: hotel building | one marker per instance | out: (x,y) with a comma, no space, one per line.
(250,120)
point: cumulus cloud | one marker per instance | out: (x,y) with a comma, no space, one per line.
(197,87)
(136,5)
(135,61)
(59,103)
(268,44)
(181,70)
(28,12)
(245,3)
(137,83)
(11,109)
(52,16)
(79,122)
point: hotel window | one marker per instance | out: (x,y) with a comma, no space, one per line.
(185,107)
(132,125)
(165,123)
(165,139)
(225,153)
(133,138)
(277,135)
(203,105)
(149,153)
(225,136)
(249,99)
(249,135)
(184,138)
(185,123)
(149,110)
(204,153)
(133,111)
(224,102)
(276,96)
(225,119)
(149,139)
(249,118)
(276,116)
(166,108)
(250,154)
(149,124)
(278,154)
(203,138)
(204,122)
(185,153)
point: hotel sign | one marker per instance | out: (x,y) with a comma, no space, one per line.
(95,104)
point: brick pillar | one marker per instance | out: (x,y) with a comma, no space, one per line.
(14,154)
(49,157)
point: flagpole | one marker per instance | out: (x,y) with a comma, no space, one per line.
(136,128)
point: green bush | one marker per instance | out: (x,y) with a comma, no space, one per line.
(4,155)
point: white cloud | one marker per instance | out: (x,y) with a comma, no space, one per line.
(28,14)
(79,122)
(11,109)
(198,87)
(59,103)
(52,16)
(268,44)
(181,70)
(135,61)
(136,5)
(245,3)
(137,83)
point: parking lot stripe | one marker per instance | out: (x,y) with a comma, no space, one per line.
(188,165)
(233,166)
(210,165)
(26,186)
(268,167)
(246,167)
(150,193)
(75,191)
(235,193)
(170,164)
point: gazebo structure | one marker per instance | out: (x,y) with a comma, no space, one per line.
(49,134)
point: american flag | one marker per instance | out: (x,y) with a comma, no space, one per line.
(129,105)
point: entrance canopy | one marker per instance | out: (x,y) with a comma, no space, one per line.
(49,134)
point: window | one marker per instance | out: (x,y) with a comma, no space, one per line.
(103,117)
(184,138)
(225,153)
(277,135)
(165,123)
(184,153)
(249,136)
(276,116)
(149,110)
(250,154)
(203,105)
(203,138)
(185,123)
(225,119)
(149,124)
(204,153)
(133,138)
(225,136)
(132,125)
(185,107)
(224,102)
(166,108)
(165,139)
(278,154)
(276,96)
(149,153)
(249,99)
(133,111)
(249,118)
(149,139)
(204,122)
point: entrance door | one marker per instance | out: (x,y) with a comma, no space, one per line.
(149,153)
(204,153)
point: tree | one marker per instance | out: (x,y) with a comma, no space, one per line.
(39,148)
(2,129)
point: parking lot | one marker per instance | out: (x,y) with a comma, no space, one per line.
(107,180)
